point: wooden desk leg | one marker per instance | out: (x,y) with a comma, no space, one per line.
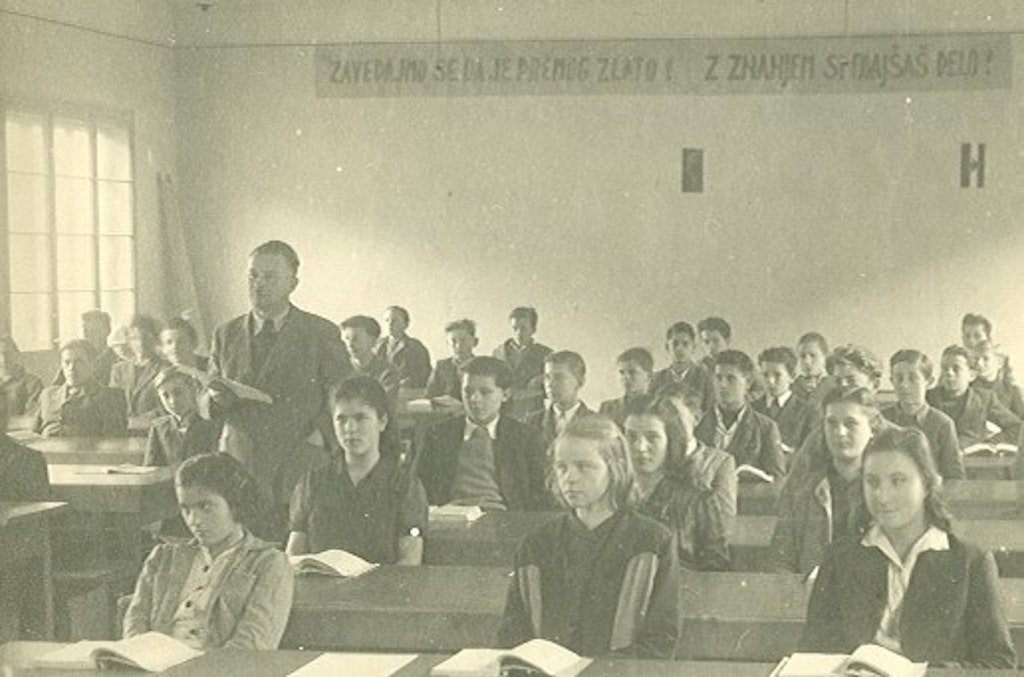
(47,586)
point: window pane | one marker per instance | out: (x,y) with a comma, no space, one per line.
(72,305)
(72,149)
(120,305)
(116,269)
(76,264)
(115,208)
(26,203)
(30,263)
(25,149)
(113,153)
(74,205)
(30,321)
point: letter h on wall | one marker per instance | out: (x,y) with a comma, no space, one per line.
(972,165)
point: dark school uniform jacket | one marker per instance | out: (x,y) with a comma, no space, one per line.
(520,463)
(269,439)
(1007,392)
(795,419)
(699,506)
(544,420)
(445,380)
(93,411)
(136,381)
(697,378)
(951,612)
(629,604)
(755,442)
(972,412)
(410,358)
(169,444)
(941,433)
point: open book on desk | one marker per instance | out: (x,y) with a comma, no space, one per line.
(150,651)
(454,513)
(991,449)
(239,389)
(869,660)
(331,563)
(747,471)
(537,656)
(123,469)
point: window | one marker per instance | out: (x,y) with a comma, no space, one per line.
(70,224)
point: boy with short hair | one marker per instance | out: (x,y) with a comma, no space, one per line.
(178,341)
(445,380)
(855,366)
(564,375)
(715,334)
(970,408)
(752,438)
(80,407)
(780,403)
(911,374)
(636,367)
(407,355)
(360,334)
(484,458)
(135,376)
(680,342)
(182,433)
(974,329)
(989,365)
(813,381)
(525,358)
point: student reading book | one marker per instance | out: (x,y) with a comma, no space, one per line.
(149,651)
(903,579)
(225,588)
(536,656)
(601,579)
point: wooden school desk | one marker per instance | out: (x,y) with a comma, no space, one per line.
(726,616)
(90,450)
(489,541)
(16,657)
(25,551)
(990,467)
(967,499)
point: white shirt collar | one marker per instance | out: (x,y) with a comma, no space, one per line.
(568,413)
(783,398)
(933,538)
(261,319)
(492,429)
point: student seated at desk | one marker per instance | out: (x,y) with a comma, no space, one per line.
(182,433)
(96,334)
(715,334)
(224,588)
(733,426)
(902,579)
(135,376)
(525,358)
(636,367)
(407,355)
(813,381)
(485,458)
(972,410)
(445,380)
(788,408)
(178,341)
(80,407)
(365,500)
(817,499)
(911,374)
(565,372)
(989,366)
(360,334)
(23,475)
(685,485)
(976,328)
(18,388)
(680,342)
(601,579)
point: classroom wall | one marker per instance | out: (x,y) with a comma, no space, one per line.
(840,213)
(113,55)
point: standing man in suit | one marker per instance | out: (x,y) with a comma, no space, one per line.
(291,355)
(564,375)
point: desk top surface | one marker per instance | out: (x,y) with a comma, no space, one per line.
(12,512)
(72,444)
(86,475)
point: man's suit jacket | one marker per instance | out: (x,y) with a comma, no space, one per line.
(697,378)
(167,445)
(520,463)
(979,407)
(795,420)
(544,421)
(941,433)
(98,411)
(23,476)
(411,360)
(269,439)
(951,610)
(137,384)
(756,441)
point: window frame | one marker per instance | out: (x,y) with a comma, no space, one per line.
(93,117)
